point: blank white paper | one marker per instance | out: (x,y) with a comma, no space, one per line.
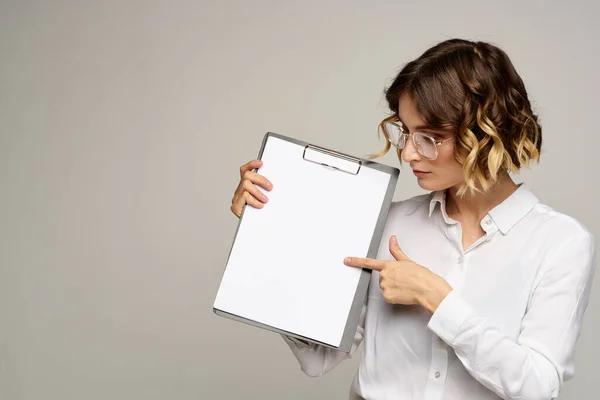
(286,265)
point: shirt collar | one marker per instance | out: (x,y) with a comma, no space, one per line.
(438,197)
(506,214)
(514,208)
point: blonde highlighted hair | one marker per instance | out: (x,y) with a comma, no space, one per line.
(473,90)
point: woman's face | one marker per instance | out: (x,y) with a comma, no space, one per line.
(439,174)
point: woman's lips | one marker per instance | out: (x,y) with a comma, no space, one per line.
(420,174)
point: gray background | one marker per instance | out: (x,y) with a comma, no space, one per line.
(123,125)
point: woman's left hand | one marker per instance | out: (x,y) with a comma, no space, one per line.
(403,281)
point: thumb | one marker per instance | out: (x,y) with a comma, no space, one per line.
(396,250)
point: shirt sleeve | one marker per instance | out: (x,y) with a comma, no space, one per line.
(316,360)
(535,365)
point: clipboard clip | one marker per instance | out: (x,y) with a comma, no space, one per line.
(332,159)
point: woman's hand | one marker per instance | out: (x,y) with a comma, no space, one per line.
(403,281)
(247,192)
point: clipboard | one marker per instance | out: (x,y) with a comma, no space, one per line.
(285,270)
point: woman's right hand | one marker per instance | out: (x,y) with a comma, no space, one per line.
(247,192)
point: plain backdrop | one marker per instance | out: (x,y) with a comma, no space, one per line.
(123,125)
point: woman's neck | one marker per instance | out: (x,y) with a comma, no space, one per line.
(474,207)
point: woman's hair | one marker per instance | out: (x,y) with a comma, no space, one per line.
(471,89)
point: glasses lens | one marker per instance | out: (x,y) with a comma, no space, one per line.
(425,145)
(395,134)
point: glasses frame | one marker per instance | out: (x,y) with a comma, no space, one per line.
(403,133)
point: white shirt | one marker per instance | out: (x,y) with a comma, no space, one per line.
(508,328)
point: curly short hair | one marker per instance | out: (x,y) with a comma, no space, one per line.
(473,90)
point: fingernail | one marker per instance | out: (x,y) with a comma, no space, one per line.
(347,260)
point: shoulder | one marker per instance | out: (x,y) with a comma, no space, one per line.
(557,225)
(411,205)
(564,241)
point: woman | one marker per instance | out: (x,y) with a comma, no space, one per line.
(478,290)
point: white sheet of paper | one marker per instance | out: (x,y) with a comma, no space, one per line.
(286,266)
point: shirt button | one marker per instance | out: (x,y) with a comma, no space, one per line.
(437,374)
(487,221)
(459,260)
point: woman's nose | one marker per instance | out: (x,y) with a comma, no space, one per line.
(410,153)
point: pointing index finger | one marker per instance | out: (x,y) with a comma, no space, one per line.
(367,263)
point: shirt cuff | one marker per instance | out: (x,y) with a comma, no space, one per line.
(299,343)
(449,317)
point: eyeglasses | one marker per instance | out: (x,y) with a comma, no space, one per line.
(426,145)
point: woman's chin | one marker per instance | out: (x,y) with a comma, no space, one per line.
(426,184)
(431,185)
(434,185)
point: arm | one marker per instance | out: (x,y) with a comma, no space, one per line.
(541,359)
(316,360)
